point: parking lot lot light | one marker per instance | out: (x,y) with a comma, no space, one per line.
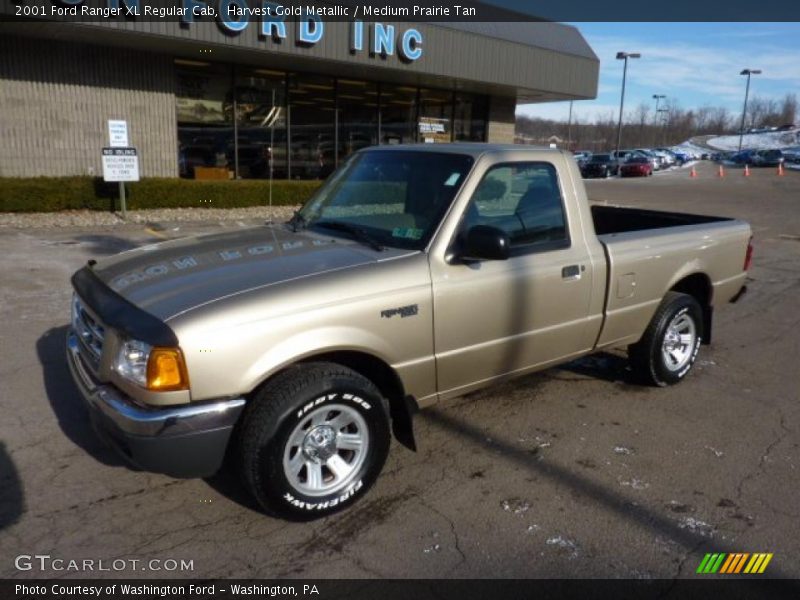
(747,72)
(623,56)
(657,98)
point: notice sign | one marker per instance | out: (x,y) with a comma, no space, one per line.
(434,130)
(120,164)
(118,133)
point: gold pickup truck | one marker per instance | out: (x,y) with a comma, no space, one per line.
(415,274)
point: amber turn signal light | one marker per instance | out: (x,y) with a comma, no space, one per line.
(166,370)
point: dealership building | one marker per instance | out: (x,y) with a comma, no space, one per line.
(210,98)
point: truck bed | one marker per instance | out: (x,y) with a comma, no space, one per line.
(649,251)
(609,220)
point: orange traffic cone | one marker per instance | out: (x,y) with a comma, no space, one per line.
(721,171)
(780,170)
(693,173)
(747,170)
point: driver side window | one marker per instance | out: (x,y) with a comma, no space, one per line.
(524,200)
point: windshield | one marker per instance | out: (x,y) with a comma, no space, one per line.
(397,198)
(599,158)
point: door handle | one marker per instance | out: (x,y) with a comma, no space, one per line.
(571,272)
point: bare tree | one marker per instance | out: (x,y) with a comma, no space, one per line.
(788,109)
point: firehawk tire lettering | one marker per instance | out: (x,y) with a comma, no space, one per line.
(349,493)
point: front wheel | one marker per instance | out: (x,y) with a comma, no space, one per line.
(669,346)
(313,441)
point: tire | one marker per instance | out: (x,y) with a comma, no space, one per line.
(293,456)
(660,358)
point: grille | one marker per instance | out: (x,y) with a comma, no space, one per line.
(89,331)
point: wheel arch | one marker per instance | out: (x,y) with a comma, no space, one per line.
(380,373)
(698,286)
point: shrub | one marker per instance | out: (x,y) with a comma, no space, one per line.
(49,194)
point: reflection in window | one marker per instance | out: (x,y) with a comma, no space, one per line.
(397,197)
(471,113)
(435,116)
(358,115)
(398,114)
(205,120)
(313,132)
(261,123)
(232,120)
(523,200)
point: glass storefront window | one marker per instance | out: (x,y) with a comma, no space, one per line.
(234,120)
(205,120)
(435,116)
(357,105)
(471,114)
(398,114)
(312,136)
(261,124)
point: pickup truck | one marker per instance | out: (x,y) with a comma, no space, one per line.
(415,274)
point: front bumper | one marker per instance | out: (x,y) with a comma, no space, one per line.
(184,441)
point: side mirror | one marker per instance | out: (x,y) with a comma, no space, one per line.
(484,242)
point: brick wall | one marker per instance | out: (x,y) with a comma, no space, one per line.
(500,128)
(56,98)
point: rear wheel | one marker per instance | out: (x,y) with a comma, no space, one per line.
(313,441)
(669,346)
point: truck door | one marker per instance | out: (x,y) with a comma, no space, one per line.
(494,318)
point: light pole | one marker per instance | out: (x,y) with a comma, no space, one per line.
(664,124)
(623,56)
(657,98)
(569,127)
(747,72)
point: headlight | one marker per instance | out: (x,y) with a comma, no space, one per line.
(132,361)
(157,369)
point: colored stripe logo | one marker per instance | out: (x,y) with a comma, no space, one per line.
(734,563)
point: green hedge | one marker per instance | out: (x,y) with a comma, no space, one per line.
(48,194)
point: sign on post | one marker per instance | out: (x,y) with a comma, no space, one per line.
(118,133)
(120,164)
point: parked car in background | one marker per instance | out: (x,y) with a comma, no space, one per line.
(636,166)
(786,127)
(667,160)
(682,157)
(791,155)
(582,156)
(671,156)
(600,165)
(767,158)
(745,157)
(654,160)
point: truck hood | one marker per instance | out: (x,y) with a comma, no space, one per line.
(170,278)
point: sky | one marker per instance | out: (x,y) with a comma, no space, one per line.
(695,64)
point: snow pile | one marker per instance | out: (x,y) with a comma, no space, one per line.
(691,148)
(757,141)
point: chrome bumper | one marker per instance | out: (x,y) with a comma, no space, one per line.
(184,441)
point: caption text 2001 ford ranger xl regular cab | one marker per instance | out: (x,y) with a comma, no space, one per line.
(415,274)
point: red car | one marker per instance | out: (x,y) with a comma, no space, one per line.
(636,166)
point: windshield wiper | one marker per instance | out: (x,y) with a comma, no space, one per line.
(358,233)
(297,222)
